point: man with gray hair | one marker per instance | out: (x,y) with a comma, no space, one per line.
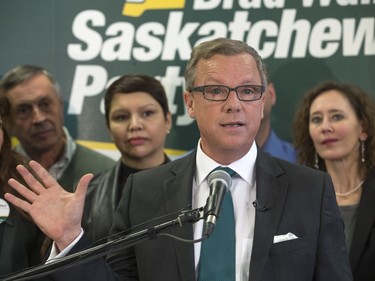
(36,120)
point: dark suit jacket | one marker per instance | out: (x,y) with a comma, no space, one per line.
(101,202)
(362,252)
(84,161)
(20,243)
(103,196)
(299,199)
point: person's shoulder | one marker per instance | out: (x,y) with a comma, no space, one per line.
(184,163)
(280,148)
(290,168)
(86,160)
(104,175)
(288,146)
(299,178)
(83,151)
(101,185)
(301,173)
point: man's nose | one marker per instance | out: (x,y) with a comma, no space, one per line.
(232,103)
(38,115)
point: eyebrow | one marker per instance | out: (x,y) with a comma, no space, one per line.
(35,101)
(329,111)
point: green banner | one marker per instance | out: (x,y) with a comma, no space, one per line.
(86,44)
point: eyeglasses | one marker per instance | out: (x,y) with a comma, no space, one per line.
(221,92)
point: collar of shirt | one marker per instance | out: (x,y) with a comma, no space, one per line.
(244,167)
(70,147)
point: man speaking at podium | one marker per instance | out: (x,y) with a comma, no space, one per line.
(286,223)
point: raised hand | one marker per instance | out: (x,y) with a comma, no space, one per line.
(58,213)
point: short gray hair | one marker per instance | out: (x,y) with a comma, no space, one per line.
(220,46)
(22,73)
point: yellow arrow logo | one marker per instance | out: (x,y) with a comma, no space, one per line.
(135,8)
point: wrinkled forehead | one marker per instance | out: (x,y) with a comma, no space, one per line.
(232,70)
(32,91)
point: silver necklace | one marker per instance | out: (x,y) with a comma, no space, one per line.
(350,191)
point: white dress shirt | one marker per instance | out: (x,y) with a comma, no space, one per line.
(243,193)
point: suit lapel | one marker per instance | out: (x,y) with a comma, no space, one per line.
(271,192)
(365,221)
(177,189)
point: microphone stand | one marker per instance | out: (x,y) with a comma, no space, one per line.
(186,217)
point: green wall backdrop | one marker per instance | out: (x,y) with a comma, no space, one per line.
(88,43)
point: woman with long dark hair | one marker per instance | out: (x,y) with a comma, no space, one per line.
(20,238)
(334,131)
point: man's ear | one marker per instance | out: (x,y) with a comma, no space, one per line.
(263,105)
(271,92)
(189,103)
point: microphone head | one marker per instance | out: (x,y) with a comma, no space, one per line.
(220,175)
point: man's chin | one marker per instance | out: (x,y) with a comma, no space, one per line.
(43,145)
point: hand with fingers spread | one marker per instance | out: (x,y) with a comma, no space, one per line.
(58,213)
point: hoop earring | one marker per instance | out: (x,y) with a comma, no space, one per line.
(363,152)
(316,161)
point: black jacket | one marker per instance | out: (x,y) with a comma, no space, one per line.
(103,195)
(20,243)
(362,251)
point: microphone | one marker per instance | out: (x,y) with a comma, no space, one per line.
(219,181)
(259,207)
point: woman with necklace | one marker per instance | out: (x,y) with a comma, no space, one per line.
(334,131)
(138,120)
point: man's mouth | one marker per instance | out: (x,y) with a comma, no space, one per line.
(232,124)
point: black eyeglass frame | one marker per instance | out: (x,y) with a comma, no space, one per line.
(203,88)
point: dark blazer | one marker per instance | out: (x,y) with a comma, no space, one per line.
(101,202)
(299,199)
(103,196)
(20,243)
(84,161)
(362,251)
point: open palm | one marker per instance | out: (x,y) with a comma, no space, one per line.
(58,213)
